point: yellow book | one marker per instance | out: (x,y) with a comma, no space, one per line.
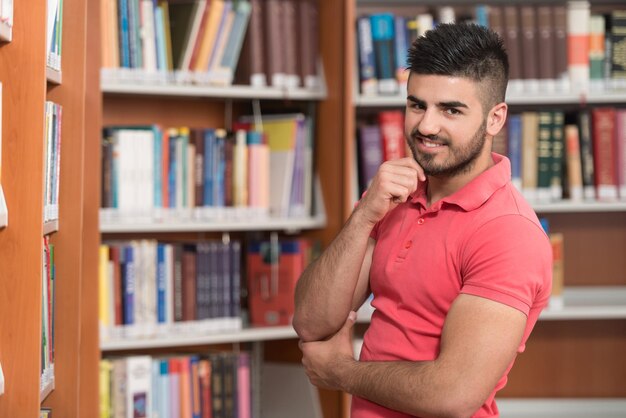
(104,295)
(210,35)
(105,388)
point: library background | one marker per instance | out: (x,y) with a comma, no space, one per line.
(169,168)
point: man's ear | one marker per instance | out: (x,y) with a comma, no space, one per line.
(496,118)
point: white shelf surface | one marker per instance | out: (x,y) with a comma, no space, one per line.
(527,99)
(47,386)
(229,92)
(53,76)
(269,224)
(565,206)
(245,335)
(562,407)
(579,303)
(50,227)
(6,32)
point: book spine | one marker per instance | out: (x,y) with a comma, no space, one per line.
(367,63)
(578,44)
(556,162)
(586,155)
(544,156)
(604,153)
(383,41)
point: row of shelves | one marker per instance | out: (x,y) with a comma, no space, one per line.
(580,303)
(112,225)
(273,93)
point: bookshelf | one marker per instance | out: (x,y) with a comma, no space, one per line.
(570,348)
(126,102)
(26,89)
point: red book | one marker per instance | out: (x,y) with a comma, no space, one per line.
(273,270)
(604,152)
(392,134)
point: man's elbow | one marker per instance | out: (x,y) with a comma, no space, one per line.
(309,329)
(460,404)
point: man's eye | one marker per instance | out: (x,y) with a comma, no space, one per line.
(452,111)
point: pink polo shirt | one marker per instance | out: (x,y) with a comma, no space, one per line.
(483,240)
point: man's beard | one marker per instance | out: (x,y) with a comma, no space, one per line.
(461,158)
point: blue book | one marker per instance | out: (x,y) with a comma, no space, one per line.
(402,44)
(123,34)
(160,38)
(161,284)
(514,137)
(219,168)
(158,166)
(235,254)
(164,387)
(196,408)
(129,285)
(383,40)
(172,169)
(209,141)
(367,61)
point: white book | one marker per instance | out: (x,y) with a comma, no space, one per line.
(578,15)
(148,36)
(139,386)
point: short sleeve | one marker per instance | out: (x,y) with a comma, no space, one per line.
(508,260)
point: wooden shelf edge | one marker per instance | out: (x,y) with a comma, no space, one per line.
(53,76)
(252,334)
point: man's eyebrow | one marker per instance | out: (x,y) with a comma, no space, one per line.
(415,100)
(452,104)
(446,105)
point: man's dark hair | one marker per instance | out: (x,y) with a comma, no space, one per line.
(463,50)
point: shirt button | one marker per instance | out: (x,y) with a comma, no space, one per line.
(408,244)
(420,221)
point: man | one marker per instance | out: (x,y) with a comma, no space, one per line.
(457,261)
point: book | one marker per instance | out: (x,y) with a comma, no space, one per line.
(561,62)
(514,137)
(558,271)
(530,48)
(251,67)
(597,51)
(544,156)
(604,152)
(514,47)
(618,37)
(620,127)
(530,126)
(384,52)
(367,62)
(556,161)
(578,45)
(275,70)
(138,387)
(586,154)
(391,124)
(308,34)
(546,56)
(573,163)
(370,155)
(273,269)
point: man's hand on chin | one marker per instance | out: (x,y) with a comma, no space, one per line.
(327,362)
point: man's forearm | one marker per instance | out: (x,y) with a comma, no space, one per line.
(325,291)
(417,388)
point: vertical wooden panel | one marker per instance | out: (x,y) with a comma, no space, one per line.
(22,73)
(68,240)
(89,339)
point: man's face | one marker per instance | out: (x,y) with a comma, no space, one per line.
(445,124)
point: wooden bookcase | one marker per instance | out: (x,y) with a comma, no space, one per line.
(208,107)
(26,88)
(575,353)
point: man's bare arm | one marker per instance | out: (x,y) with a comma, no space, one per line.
(335,283)
(479,341)
(338,281)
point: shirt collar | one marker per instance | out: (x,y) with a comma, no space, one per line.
(476,192)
